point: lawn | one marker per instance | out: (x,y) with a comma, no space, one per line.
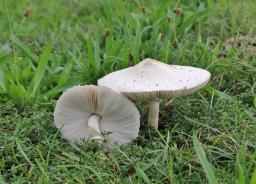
(49,46)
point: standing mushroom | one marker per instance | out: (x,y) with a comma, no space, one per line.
(87,112)
(151,80)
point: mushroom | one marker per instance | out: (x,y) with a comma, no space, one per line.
(87,112)
(151,80)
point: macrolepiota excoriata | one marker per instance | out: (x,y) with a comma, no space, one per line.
(87,112)
(151,80)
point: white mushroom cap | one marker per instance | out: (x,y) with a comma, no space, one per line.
(151,79)
(118,115)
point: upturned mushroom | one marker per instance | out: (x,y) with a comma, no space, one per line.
(151,80)
(87,112)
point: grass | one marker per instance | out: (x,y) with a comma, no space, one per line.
(207,137)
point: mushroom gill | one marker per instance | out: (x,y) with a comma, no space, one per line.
(93,121)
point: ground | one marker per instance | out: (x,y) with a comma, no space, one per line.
(49,46)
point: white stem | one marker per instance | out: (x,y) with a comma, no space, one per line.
(93,124)
(153,113)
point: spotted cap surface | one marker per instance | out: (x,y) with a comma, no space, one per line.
(151,79)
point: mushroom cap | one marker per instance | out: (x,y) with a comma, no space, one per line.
(151,79)
(119,116)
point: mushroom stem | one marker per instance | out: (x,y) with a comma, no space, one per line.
(93,124)
(153,113)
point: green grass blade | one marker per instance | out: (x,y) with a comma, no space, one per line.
(97,174)
(24,48)
(241,174)
(42,169)
(142,174)
(218,93)
(22,152)
(254,101)
(190,21)
(204,162)
(2,78)
(3,59)
(71,156)
(253,178)
(41,68)
(1,179)
(54,91)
